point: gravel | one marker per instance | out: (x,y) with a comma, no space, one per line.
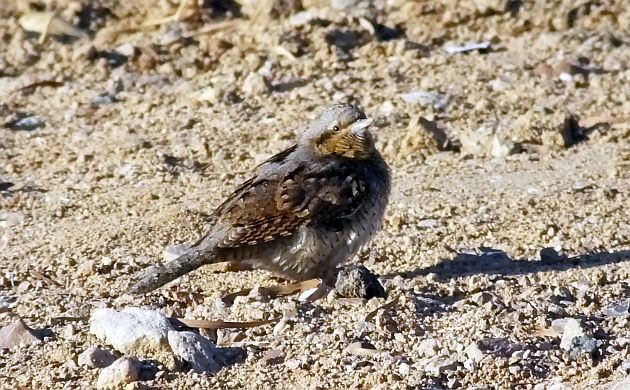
(507,224)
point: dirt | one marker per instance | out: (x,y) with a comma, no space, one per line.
(133,134)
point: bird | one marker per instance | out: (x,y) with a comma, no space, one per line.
(303,212)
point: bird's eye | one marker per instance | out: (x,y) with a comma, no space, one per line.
(336,128)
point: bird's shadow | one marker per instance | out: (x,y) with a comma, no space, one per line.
(495,261)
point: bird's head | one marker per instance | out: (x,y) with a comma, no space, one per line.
(342,130)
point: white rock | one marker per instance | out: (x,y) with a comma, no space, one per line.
(196,350)
(302,18)
(623,385)
(439,365)
(425,99)
(118,374)
(141,332)
(572,329)
(454,48)
(255,85)
(474,352)
(96,357)
(428,347)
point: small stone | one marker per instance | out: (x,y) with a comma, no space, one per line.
(428,347)
(209,94)
(474,352)
(86,268)
(619,309)
(358,282)
(199,352)
(423,98)
(480,298)
(403,369)
(126,49)
(96,357)
(582,344)
(558,325)
(104,99)
(364,349)
(455,49)
(292,364)
(23,287)
(19,334)
(302,18)
(137,331)
(255,85)
(572,329)
(498,347)
(118,374)
(273,356)
(623,385)
(487,141)
(439,365)
(26,123)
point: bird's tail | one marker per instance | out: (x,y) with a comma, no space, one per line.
(158,276)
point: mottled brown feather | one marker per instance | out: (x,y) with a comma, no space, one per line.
(262,210)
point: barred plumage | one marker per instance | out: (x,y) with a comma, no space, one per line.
(305,210)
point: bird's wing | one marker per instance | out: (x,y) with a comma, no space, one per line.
(265,209)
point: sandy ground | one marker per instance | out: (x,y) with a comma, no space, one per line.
(140,132)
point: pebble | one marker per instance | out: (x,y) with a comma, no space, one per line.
(358,282)
(455,49)
(364,349)
(623,385)
(302,18)
(96,357)
(118,374)
(582,344)
(439,365)
(474,352)
(104,99)
(199,352)
(498,347)
(255,85)
(424,98)
(485,141)
(273,356)
(619,309)
(137,331)
(428,347)
(572,329)
(16,334)
(27,123)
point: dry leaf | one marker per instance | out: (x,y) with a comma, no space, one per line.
(206,324)
(274,291)
(43,83)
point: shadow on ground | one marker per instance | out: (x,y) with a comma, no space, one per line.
(494,261)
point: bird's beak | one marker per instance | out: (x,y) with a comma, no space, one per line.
(360,125)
